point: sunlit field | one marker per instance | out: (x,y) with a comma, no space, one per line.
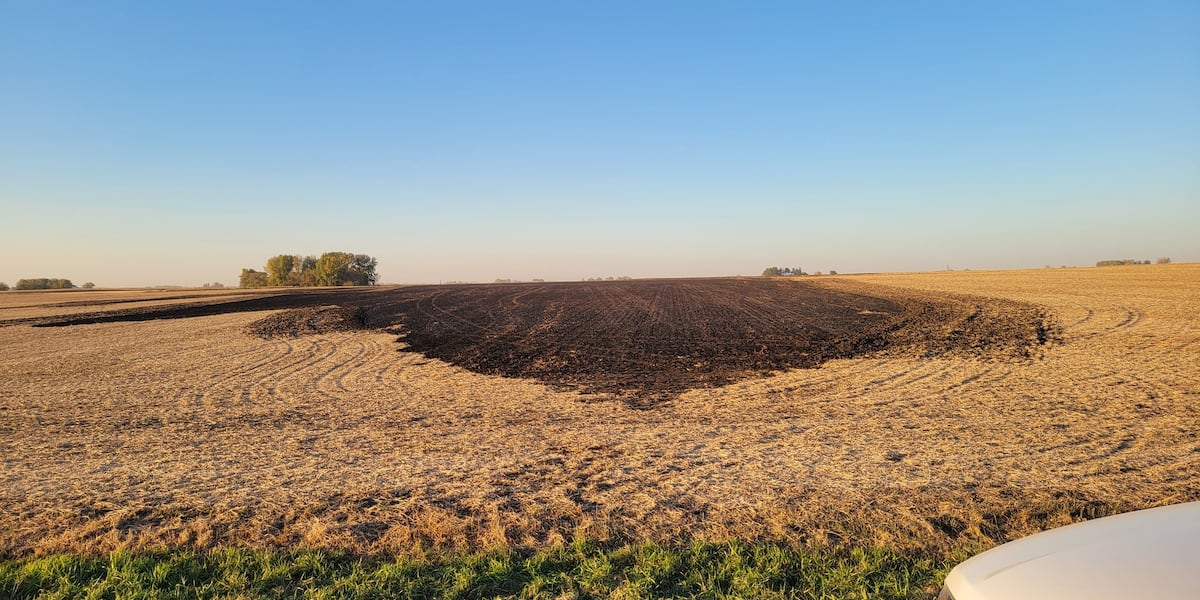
(189,435)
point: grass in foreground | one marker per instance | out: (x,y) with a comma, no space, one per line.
(582,570)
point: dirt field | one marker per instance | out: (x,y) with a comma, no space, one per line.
(648,341)
(130,429)
(643,342)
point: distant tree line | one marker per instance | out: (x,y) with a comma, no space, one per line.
(3,287)
(43,283)
(1162,260)
(782,272)
(331,268)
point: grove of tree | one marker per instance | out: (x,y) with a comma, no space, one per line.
(331,268)
(1118,263)
(252,279)
(43,283)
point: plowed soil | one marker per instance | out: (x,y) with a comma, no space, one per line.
(649,340)
(644,341)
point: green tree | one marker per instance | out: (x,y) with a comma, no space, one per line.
(343,268)
(3,287)
(279,270)
(362,270)
(332,267)
(252,279)
(43,283)
(306,273)
(772,272)
(89,285)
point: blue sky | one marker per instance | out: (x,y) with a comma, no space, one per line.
(151,143)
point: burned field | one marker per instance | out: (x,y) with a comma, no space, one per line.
(944,409)
(649,340)
(644,341)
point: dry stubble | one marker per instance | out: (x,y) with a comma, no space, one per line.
(190,433)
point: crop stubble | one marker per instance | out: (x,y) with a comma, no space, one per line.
(191,432)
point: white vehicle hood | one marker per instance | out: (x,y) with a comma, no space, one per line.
(1151,553)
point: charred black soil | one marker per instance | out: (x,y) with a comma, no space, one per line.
(645,340)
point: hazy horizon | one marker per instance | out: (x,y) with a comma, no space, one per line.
(175,144)
(586,279)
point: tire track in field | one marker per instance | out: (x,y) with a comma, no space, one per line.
(942,379)
(1126,317)
(1148,406)
(1133,316)
(933,378)
(1188,346)
(436,310)
(1149,394)
(900,383)
(212,377)
(203,392)
(368,349)
(329,363)
(231,385)
(985,379)
(390,367)
(180,361)
(1089,314)
(274,379)
(343,367)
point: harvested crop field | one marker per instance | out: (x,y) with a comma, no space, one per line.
(642,341)
(914,410)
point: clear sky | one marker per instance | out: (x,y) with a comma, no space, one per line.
(176,142)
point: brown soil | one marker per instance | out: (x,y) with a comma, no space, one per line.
(651,340)
(310,321)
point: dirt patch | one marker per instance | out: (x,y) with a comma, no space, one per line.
(961,325)
(650,340)
(310,321)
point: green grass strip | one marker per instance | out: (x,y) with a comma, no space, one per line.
(581,570)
